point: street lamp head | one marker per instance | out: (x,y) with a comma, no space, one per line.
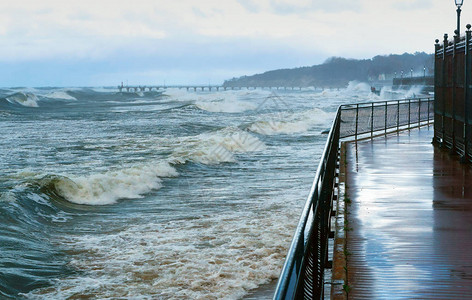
(459,2)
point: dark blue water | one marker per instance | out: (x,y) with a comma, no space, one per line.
(167,195)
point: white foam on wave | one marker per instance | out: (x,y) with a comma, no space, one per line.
(227,105)
(354,89)
(181,95)
(215,147)
(24,99)
(60,95)
(356,86)
(284,123)
(107,188)
(374,97)
(7,196)
(104,90)
(220,256)
(222,101)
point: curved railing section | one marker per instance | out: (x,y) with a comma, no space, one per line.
(302,275)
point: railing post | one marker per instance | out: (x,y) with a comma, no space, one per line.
(454,87)
(419,112)
(398,115)
(357,119)
(385,117)
(443,85)
(437,88)
(467,83)
(372,122)
(429,100)
(409,113)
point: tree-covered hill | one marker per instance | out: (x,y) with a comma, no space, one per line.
(338,71)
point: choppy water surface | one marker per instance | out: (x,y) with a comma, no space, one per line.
(174,195)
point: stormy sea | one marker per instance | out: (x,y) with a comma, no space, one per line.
(169,194)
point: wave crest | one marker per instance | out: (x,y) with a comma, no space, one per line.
(216,147)
(24,99)
(63,95)
(107,188)
(226,105)
(288,124)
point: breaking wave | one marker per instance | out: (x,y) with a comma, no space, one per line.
(356,86)
(135,181)
(107,188)
(227,105)
(216,147)
(224,101)
(63,95)
(23,99)
(284,123)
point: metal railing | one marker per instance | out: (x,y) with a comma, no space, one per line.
(302,275)
(366,118)
(453,92)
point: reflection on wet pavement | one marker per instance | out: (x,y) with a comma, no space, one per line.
(411,220)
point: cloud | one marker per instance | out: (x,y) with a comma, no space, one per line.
(191,36)
(250,5)
(409,5)
(284,7)
(306,6)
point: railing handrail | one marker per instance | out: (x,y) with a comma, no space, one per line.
(381,103)
(299,236)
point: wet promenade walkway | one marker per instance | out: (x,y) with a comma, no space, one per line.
(411,220)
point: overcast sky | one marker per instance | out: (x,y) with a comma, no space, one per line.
(104,42)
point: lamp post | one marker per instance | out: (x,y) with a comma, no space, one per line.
(411,72)
(459,4)
(424,71)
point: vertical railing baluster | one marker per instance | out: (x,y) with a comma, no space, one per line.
(409,113)
(419,112)
(428,109)
(398,115)
(357,119)
(385,117)
(372,122)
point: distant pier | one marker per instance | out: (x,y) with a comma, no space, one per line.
(195,88)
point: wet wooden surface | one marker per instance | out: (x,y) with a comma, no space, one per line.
(411,220)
